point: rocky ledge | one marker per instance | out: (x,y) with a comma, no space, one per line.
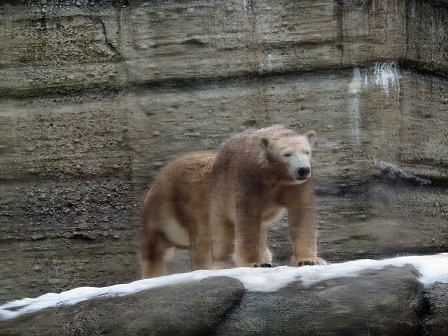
(385,299)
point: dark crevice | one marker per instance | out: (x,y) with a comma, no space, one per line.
(227,313)
(109,43)
(338,13)
(339,17)
(422,68)
(424,313)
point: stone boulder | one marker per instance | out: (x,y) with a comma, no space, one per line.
(377,302)
(387,301)
(187,309)
(436,322)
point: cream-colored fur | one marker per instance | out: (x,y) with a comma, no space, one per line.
(220,206)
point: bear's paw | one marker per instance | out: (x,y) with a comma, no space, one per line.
(309,262)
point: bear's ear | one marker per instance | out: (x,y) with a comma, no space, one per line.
(264,142)
(311,136)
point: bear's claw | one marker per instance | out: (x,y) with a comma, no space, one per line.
(262,265)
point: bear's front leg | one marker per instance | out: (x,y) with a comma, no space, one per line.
(250,240)
(242,261)
(302,222)
(303,236)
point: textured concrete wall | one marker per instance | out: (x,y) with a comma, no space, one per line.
(96,95)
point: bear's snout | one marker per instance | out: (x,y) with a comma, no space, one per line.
(303,173)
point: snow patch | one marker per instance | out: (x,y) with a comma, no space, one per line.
(432,268)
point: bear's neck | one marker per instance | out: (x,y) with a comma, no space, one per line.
(275,173)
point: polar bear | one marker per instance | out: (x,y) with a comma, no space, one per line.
(220,205)
(257,176)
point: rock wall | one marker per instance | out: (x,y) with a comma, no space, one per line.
(96,95)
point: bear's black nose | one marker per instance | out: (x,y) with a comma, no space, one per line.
(304,172)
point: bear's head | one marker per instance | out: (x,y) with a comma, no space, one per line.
(291,153)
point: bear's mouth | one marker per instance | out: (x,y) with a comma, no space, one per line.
(301,179)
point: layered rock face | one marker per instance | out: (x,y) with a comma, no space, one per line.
(96,95)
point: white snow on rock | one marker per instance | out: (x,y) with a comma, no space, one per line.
(432,268)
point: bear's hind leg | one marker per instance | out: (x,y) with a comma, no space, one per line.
(200,245)
(222,237)
(155,251)
(266,253)
(200,254)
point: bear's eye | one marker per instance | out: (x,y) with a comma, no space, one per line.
(287,154)
(307,152)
